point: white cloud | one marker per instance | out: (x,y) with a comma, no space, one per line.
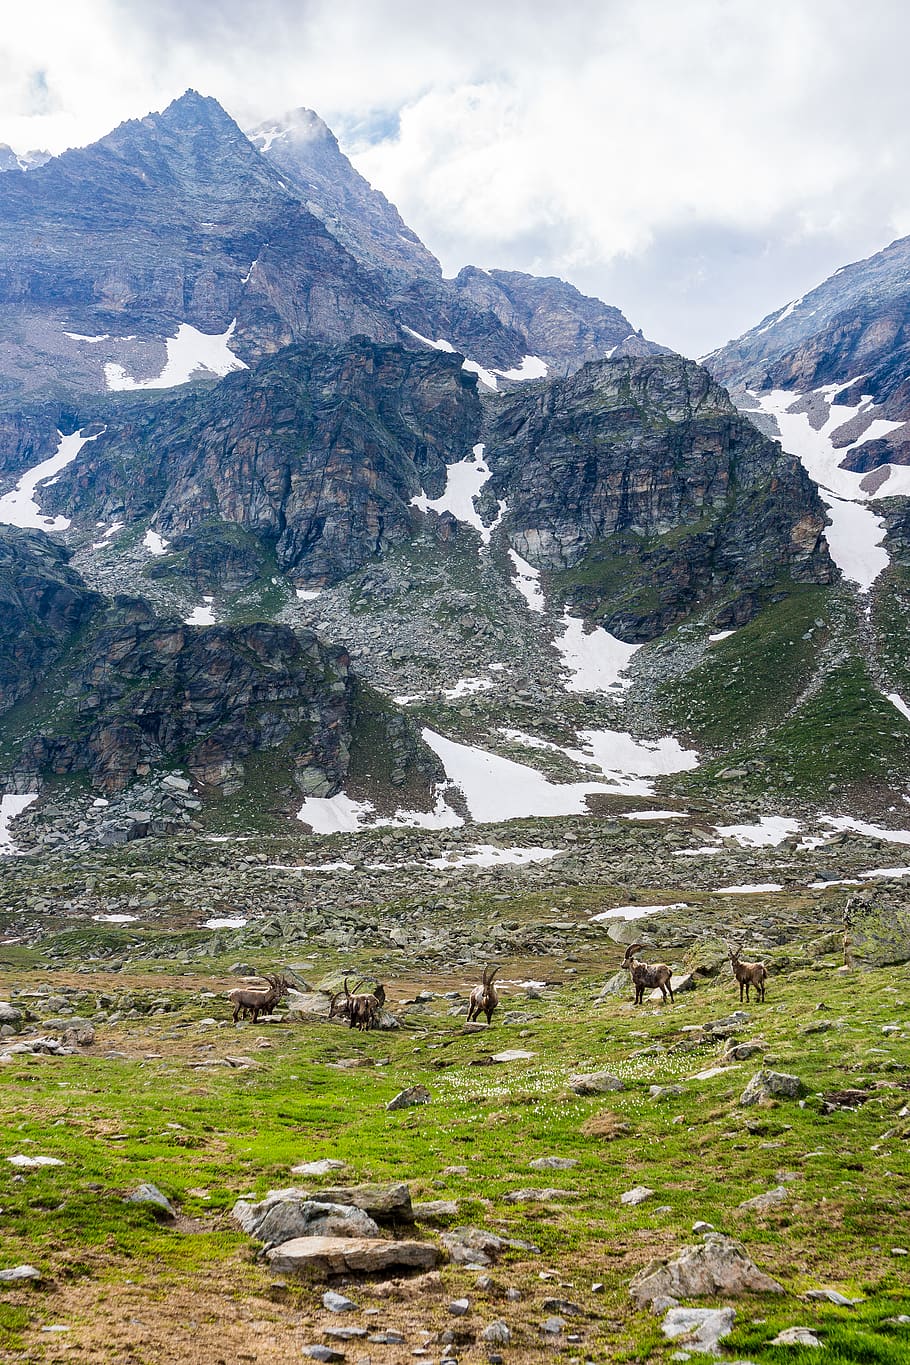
(683,160)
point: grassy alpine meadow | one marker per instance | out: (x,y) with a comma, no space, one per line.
(208,1112)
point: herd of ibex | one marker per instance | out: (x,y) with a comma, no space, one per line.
(364,1011)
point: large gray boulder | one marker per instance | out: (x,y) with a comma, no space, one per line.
(283,1215)
(595,1083)
(766,1085)
(324,1256)
(700,1328)
(718,1265)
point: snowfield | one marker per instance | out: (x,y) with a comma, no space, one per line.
(188,353)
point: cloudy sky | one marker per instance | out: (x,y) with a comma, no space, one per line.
(696,162)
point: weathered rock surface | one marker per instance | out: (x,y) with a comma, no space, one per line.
(718,1265)
(641,483)
(386,1203)
(473,1246)
(772,1084)
(284,1216)
(323,1256)
(702,1328)
(595,1083)
(407,1099)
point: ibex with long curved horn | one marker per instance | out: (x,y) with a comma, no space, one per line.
(258,1000)
(748,974)
(647,975)
(484,997)
(362,1011)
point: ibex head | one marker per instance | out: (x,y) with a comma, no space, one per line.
(733,951)
(630,955)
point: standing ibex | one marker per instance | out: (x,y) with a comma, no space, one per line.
(258,1000)
(748,974)
(362,1011)
(646,975)
(484,997)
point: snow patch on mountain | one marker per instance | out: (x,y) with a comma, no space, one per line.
(20,508)
(187,353)
(856,534)
(527,581)
(464,480)
(11,806)
(595,659)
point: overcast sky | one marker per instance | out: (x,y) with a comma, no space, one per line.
(696,162)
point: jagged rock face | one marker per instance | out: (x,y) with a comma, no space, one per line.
(143,690)
(361,218)
(317,452)
(27,438)
(43,603)
(640,480)
(158,224)
(561,325)
(854,326)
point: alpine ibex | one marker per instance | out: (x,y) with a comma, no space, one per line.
(484,997)
(362,1011)
(258,1000)
(647,975)
(748,974)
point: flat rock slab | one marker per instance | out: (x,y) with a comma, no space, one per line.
(324,1166)
(436,1211)
(685,982)
(597,1083)
(779,1195)
(553,1163)
(33,1163)
(719,1265)
(323,1256)
(385,1203)
(514,1054)
(539,1196)
(702,1328)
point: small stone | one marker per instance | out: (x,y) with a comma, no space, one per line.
(151,1195)
(761,1202)
(407,1099)
(19,1274)
(496,1333)
(338,1303)
(899,1251)
(515,1054)
(321,1167)
(772,1084)
(458,1307)
(831,1296)
(703,1328)
(796,1336)
(562,1306)
(597,1083)
(553,1163)
(701,1227)
(324,1353)
(553,1327)
(638,1195)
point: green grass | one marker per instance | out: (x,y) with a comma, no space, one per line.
(111,1120)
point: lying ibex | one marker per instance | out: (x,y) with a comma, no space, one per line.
(362,1011)
(647,975)
(484,997)
(258,1000)
(748,974)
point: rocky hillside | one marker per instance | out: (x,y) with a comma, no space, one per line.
(642,487)
(316,452)
(852,331)
(106,690)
